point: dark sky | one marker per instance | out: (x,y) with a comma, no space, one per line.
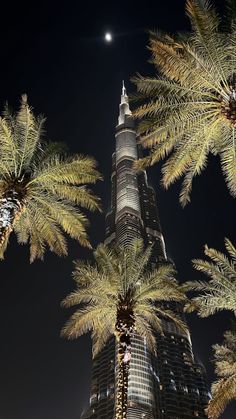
(56,54)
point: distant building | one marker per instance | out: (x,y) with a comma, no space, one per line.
(170,385)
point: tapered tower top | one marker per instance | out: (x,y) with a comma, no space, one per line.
(124,106)
(123,88)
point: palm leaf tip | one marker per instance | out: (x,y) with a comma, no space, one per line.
(230,248)
(141,164)
(67,333)
(66,302)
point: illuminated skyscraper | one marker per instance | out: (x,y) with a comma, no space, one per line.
(170,385)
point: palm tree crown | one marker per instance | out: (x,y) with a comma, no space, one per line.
(119,284)
(189,108)
(219,293)
(223,390)
(40,187)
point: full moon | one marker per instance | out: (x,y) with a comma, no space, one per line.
(108,37)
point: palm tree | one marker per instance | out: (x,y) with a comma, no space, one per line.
(40,187)
(219,293)
(223,390)
(120,296)
(188,110)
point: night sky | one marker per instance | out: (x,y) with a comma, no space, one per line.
(57,55)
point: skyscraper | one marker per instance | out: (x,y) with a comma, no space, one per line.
(170,385)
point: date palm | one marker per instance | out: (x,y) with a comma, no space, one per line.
(120,297)
(223,390)
(219,293)
(40,187)
(188,109)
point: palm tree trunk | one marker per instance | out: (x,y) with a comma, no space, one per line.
(122,384)
(11,208)
(125,326)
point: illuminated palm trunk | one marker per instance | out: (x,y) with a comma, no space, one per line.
(125,326)
(11,207)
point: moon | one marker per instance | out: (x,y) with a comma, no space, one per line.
(108,37)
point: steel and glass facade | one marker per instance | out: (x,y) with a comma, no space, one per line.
(170,385)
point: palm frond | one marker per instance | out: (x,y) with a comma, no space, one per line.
(187,109)
(74,170)
(100,337)
(79,195)
(27,132)
(63,214)
(43,231)
(145,330)
(219,292)
(82,321)
(8,149)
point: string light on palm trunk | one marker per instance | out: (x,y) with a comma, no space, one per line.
(125,327)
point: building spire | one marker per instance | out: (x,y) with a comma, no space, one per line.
(124,105)
(123,88)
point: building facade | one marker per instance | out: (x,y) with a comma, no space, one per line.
(170,385)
